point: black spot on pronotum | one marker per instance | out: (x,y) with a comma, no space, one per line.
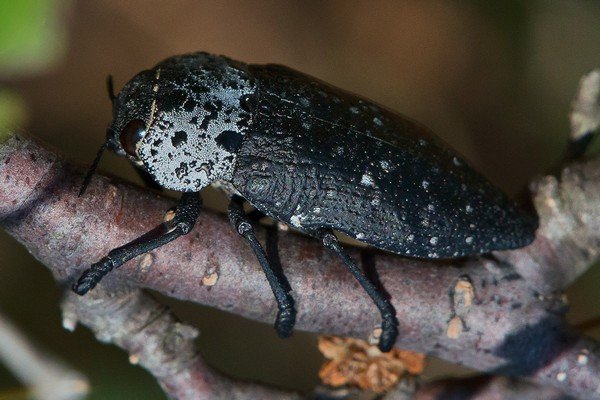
(179,138)
(229,140)
(182,171)
(247,103)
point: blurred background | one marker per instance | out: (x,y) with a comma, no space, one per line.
(493,79)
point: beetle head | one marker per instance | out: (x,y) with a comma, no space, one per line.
(183,121)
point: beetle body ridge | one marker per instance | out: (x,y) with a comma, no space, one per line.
(314,156)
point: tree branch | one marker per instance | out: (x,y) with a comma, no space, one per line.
(500,315)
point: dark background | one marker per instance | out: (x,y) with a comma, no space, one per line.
(493,79)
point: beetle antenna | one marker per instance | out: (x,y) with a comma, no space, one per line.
(111,88)
(90,172)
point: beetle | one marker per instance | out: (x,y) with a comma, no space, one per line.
(309,155)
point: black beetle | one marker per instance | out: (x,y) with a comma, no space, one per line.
(307,154)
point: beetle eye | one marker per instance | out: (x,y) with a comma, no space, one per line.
(131,135)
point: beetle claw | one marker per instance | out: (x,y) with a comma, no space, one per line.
(284,324)
(389,334)
(90,278)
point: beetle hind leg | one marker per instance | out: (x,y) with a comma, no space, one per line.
(286,315)
(389,324)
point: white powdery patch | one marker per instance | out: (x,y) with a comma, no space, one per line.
(367,180)
(295,221)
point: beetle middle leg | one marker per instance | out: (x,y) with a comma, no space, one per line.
(286,315)
(186,214)
(389,325)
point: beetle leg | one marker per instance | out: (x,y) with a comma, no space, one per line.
(188,209)
(255,215)
(389,325)
(286,315)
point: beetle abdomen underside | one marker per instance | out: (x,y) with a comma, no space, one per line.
(318,157)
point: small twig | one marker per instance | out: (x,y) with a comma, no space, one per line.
(585,115)
(46,377)
(156,340)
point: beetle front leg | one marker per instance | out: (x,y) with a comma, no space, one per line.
(286,315)
(389,324)
(186,214)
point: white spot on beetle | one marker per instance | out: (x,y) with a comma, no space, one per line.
(378,121)
(456,162)
(469,240)
(367,180)
(430,207)
(410,238)
(295,221)
(433,240)
(469,209)
(360,236)
(561,376)
(384,164)
(425,184)
(354,110)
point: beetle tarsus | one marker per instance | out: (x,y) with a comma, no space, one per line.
(188,209)
(389,325)
(286,315)
(90,278)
